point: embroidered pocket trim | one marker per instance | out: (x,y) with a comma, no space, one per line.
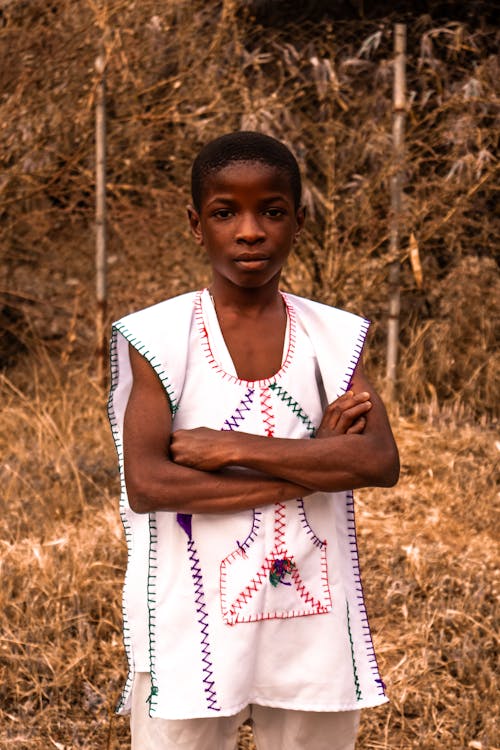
(279,569)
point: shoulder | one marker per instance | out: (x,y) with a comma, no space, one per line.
(310,308)
(160,334)
(161,311)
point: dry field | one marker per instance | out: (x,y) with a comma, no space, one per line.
(428,548)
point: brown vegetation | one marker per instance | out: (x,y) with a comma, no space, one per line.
(180,76)
(429,555)
(176,77)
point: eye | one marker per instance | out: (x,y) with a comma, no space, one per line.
(223,213)
(274,213)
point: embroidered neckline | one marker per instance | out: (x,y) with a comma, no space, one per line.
(216,365)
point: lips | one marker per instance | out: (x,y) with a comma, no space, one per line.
(251,258)
(252,262)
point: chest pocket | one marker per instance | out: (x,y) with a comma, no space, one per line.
(262,580)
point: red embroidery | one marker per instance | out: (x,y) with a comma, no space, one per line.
(235,612)
(266,409)
(279,527)
(207,348)
(278,564)
(280,570)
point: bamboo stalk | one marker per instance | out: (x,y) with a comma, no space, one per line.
(330,245)
(398,123)
(100,218)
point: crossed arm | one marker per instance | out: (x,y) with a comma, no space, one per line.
(193,471)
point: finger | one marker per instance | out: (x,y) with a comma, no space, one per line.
(346,401)
(348,417)
(341,401)
(349,396)
(360,397)
(340,422)
(358,426)
(334,411)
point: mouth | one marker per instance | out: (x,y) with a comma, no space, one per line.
(252,262)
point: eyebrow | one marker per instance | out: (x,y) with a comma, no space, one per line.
(230,200)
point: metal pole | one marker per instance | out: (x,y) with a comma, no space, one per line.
(100,218)
(398,123)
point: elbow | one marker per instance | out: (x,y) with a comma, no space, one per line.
(138,500)
(140,494)
(385,472)
(389,478)
(139,504)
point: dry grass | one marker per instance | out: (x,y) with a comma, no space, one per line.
(428,550)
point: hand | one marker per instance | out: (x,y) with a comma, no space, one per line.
(200,448)
(345,415)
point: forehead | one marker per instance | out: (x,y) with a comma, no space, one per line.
(247,178)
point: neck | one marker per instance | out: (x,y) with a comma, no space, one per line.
(253,300)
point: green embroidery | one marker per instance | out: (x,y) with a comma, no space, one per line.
(355,671)
(153,361)
(151,602)
(294,406)
(126,526)
(280,569)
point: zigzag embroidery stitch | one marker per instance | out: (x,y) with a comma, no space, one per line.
(208,680)
(207,348)
(294,406)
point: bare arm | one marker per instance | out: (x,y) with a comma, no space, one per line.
(334,463)
(155,482)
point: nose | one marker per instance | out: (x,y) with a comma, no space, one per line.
(249,230)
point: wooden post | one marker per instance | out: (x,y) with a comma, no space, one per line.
(398,122)
(330,245)
(100,217)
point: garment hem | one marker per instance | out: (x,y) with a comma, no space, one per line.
(232,711)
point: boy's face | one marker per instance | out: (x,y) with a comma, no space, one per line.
(247,223)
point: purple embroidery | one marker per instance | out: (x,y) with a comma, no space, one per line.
(256,522)
(280,569)
(305,523)
(233,422)
(358,348)
(185,522)
(351,527)
(201,609)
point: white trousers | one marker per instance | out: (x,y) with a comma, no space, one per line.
(273,728)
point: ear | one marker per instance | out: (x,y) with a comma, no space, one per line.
(300,217)
(195,224)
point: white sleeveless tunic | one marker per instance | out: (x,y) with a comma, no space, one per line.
(261,606)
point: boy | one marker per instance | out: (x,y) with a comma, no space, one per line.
(242,597)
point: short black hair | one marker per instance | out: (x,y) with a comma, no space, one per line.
(243,146)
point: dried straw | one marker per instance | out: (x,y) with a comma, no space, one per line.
(428,550)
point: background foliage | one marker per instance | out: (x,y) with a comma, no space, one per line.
(179,73)
(318,75)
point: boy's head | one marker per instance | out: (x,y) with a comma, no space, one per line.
(243,146)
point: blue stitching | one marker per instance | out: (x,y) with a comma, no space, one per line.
(256,522)
(232,423)
(358,348)
(156,365)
